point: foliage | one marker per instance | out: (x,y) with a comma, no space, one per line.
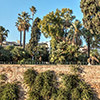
(9,92)
(91,12)
(19,53)
(65,35)
(75,69)
(23,23)
(14,54)
(42,53)
(5,55)
(9,48)
(74,35)
(35,37)
(33,10)
(77,89)
(43,86)
(3,77)
(26,61)
(29,77)
(58,55)
(46,87)
(96,42)
(3,34)
(54,23)
(65,53)
(94,57)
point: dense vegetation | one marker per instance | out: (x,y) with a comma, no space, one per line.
(67,35)
(46,86)
(13,54)
(8,91)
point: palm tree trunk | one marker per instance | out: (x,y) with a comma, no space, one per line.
(88,48)
(20,38)
(73,40)
(1,39)
(24,37)
(76,37)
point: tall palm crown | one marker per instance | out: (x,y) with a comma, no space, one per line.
(3,34)
(74,33)
(24,24)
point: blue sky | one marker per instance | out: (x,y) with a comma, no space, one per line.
(9,10)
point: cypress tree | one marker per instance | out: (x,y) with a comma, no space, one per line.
(35,36)
(91,15)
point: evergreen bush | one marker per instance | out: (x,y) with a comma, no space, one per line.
(44,87)
(9,91)
(29,77)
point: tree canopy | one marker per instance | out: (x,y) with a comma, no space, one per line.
(91,15)
(54,24)
(35,36)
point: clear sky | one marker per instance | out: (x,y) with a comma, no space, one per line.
(9,10)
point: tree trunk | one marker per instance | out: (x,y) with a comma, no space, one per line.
(1,39)
(73,39)
(88,49)
(24,37)
(20,38)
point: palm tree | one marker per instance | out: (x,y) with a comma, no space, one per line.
(3,34)
(24,19)
(94,56)
(33,10)
(74,34)
(19,27)
(88,38)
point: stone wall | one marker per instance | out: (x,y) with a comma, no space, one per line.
(91,74)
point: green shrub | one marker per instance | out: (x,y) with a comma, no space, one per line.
(48,86)
(9,92)
(36,87)
(70,81)
(3,77)
(43,86)
(26,61)
(29,77)
(79,90)
(62,94)
(75,94)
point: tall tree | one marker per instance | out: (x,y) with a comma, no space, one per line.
(55,25)
(91,15)
(19,27)
(24,19)
(35,36)
(3,34)
(33,10)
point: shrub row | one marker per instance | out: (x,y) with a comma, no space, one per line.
(45,86)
